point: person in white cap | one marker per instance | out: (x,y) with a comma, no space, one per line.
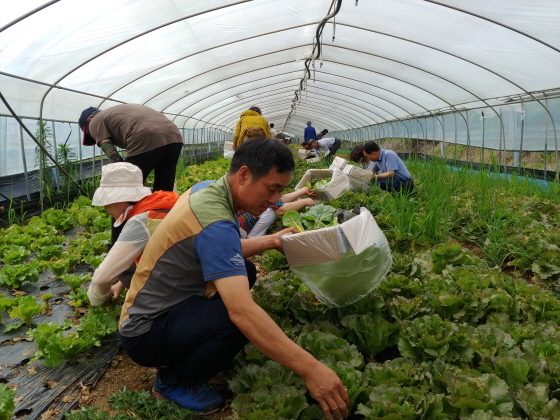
(125,198)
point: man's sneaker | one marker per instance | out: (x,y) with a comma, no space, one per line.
(198,398)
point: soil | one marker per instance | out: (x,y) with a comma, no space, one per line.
(123,372)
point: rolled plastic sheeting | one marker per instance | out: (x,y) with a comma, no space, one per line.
(340,264)
(228,149)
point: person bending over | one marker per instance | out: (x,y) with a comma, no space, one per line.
(328,146)
(389,170)
(125,198)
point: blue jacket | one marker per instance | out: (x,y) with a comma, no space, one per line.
(309,133)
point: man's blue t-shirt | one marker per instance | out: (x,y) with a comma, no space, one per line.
(390,161)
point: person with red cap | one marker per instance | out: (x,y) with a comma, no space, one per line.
(152,142)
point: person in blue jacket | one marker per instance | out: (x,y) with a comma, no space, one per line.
(309,134)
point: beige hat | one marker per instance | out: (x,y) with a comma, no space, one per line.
(120,182)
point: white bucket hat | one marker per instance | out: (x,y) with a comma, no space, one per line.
(120,182)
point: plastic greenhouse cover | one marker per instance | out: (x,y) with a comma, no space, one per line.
(203,63)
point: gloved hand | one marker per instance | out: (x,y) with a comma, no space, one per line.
(345,215)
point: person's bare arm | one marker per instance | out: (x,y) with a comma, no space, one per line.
(295,205)
(388,174)
(322,382)
(254,246)
(110,151)
(288,198)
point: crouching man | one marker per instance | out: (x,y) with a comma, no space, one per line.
(189,309)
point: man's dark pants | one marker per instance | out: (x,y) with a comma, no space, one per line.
(163,161)
(192,342)
(334,148)
(394,184)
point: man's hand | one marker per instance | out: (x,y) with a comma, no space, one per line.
(278,235)
(325,386)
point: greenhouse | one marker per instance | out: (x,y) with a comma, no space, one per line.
(458,314)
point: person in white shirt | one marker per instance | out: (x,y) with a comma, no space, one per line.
(122,193)
(272,132)
(328,146)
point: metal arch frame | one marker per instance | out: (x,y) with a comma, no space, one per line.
(344,94)
(462,11)
(213,69)
(299,46)
(126,41)
(494,22)
(346,87)
(229,128)
(357,106)
(346,119)
(209,70)
(468,61)
(228,88)
(26,15)
(390,91)
(360,100)
(340,100)
(236,104)
(377,106)
(229,112)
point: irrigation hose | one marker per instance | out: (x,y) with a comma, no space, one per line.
(45,151)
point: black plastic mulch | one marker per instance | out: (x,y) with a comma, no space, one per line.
(44,392)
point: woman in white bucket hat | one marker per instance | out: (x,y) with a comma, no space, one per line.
(122,193)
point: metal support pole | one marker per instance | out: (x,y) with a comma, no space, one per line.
(545,154)
(483,138)
(24,161)
(519,153)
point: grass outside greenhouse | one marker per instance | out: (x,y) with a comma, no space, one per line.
(466,325)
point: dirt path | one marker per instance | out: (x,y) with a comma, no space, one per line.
(123,372)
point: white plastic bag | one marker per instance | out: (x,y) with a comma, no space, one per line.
(359,178)
(338,185)
(338,162)
(340,264)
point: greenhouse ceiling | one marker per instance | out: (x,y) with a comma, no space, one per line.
(202,63)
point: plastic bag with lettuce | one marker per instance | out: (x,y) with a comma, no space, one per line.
(340,264)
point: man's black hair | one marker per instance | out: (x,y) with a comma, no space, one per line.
(371,147)
(271,125)
(260,155)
